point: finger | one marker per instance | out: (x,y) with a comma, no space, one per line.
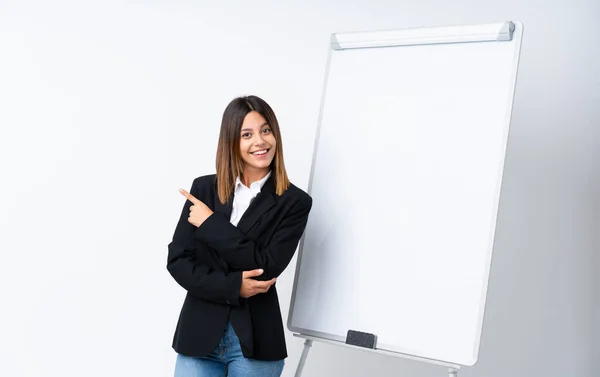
(260,290)
(263,284)
(252,273)
(189,196)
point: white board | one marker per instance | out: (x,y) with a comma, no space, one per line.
(406,181)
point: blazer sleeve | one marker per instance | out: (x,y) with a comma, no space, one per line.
(198,279)
(241,252)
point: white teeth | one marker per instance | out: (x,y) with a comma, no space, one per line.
(260,152)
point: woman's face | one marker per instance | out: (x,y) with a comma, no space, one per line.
(257,144)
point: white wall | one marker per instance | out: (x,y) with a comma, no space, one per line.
(594,268)
(107,109)
(596,312)
(595,326)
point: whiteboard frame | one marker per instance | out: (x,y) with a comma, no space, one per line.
(511,31)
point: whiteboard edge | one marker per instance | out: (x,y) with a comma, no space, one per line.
(383,351)
(343,40)
(517,38)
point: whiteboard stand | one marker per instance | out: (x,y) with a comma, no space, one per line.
(308,342)
(307,345)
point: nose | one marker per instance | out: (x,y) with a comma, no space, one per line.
(260,139)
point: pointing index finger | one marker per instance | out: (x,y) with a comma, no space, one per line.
(189,196)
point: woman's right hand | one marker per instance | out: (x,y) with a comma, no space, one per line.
(251,287)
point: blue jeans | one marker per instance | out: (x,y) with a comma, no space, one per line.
(226,360)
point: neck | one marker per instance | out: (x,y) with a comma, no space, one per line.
(253,175)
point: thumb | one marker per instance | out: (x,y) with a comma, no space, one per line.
(252,273)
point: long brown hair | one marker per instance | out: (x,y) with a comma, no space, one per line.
(229,161)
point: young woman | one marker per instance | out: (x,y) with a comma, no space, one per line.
(237,232)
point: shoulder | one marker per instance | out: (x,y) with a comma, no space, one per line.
(297,197)
(204,186)
(205,180)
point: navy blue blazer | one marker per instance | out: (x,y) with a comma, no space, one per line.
(208,262)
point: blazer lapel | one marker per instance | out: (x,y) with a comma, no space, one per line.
(263,202)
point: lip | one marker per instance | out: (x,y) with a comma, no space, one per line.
(261,155)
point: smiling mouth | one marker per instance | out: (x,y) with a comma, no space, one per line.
(260,152)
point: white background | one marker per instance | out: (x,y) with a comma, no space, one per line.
(106,109)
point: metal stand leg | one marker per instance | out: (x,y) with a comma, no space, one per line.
(452,372)
(307,345)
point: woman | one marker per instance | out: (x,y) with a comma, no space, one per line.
(238,231)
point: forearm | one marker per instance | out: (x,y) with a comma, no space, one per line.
(238,251)
(241,252)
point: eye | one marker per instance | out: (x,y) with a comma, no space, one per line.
(246,135)
(266,130)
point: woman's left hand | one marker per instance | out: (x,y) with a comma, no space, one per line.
(199,211)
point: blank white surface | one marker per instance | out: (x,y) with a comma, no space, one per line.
(406,184)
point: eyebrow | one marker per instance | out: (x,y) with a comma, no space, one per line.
(249,129)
